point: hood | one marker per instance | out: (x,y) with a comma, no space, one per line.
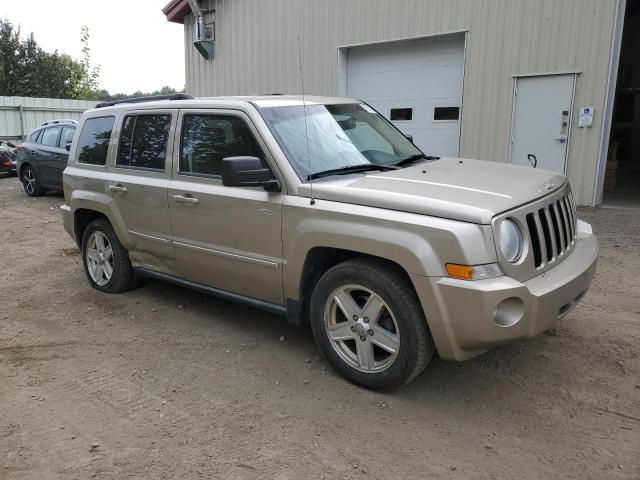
(461,189)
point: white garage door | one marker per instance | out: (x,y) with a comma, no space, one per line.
(417,85)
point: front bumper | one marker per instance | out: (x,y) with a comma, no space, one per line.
(468,318)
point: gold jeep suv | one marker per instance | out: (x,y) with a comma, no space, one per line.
(321,210)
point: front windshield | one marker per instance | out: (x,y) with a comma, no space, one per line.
(339,136)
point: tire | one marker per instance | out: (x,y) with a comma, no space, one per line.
(364,288)
(108,270)
(31,182)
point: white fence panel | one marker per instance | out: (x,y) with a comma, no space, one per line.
(20,115)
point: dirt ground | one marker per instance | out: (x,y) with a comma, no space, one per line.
(171,384)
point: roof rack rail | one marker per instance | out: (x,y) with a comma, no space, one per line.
(62,120)
(150,98)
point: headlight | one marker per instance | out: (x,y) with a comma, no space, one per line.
(510,241)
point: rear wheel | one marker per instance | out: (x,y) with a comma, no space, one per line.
(106,262)
(31,182)
(369,324)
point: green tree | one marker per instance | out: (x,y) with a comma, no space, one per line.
(88,79)
(27,70)
(105,96)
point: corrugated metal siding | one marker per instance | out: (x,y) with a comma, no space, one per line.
(35,112)
(257,52)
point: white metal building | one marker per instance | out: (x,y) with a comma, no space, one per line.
(491,79)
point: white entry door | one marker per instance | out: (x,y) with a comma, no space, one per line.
(417,84)
(542,121)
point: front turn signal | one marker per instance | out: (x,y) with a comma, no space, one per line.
(474,272)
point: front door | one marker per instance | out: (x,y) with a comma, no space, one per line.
(224,237)
(542,121)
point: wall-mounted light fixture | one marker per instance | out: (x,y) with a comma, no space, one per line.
(204,38)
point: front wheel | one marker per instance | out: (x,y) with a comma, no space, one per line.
(369,324)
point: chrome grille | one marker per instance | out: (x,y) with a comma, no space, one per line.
(552,230)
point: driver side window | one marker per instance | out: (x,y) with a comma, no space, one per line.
(207,139)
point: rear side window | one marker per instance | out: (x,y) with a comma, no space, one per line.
(33,138)
(93,143)
(207,139)
(143,141)
(67,136)
(50,137)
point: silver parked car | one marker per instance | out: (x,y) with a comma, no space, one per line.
(320,209)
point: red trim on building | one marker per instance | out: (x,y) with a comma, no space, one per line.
(176,10)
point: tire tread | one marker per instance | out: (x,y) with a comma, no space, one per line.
(397,284)
(124,277)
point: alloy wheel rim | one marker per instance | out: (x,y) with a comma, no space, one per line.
(30,181)
(362,329)
(99,257)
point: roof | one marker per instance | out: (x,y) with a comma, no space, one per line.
(176,10)
(263,101)
(284,100)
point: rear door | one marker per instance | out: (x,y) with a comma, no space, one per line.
(224,237)
(61,155)
(50,157)
(138,183)
(28,152)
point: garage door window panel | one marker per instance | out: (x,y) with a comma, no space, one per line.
(93,144)
(446,114)
(401,114)
(143,142)
(208,139)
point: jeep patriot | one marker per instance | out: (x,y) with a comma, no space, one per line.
(321,210)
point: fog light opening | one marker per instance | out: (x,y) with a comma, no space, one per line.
(509,312)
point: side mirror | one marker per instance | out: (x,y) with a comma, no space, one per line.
(247,172)
(67,147)
(410,138)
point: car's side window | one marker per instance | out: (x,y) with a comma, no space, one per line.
(207,139)
(34,136)
(93,143)
(50,137)
(143,141)
(67,136)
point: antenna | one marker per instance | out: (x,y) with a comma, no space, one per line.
(306,127)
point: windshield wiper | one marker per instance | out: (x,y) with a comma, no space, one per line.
(367,167)
(413,158)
